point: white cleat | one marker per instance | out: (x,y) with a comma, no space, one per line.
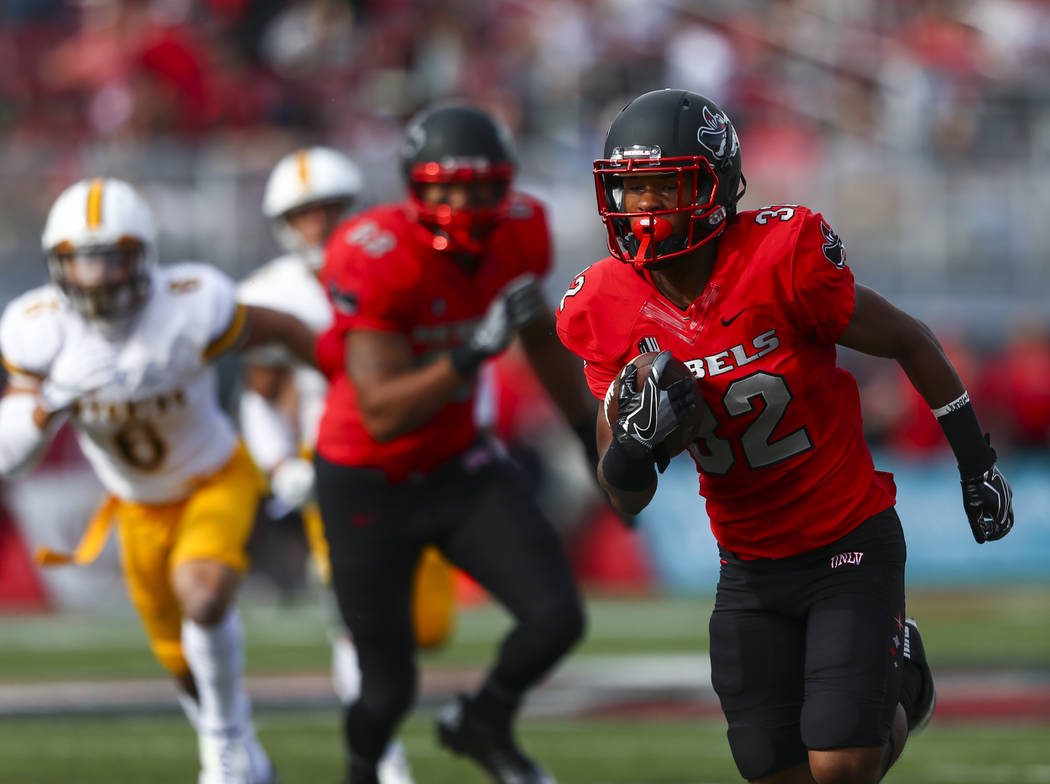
(224,759)
(230,758)
(393,768)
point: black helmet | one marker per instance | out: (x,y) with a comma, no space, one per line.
(669,132)
(457,144)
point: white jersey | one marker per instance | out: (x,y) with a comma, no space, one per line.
(155,427)
(289,285)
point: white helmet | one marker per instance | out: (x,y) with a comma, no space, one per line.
(314,175)
(100,242)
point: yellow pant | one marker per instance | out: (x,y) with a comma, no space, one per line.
(434,599)
(213,523)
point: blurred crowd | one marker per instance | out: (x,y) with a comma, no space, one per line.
(945,78)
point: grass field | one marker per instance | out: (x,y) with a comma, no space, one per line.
(998,629)
(306,747)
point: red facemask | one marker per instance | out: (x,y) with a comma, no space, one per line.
(462,228)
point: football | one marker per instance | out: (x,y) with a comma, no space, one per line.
(686,431)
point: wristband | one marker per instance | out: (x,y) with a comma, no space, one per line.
(466,360)
(626,473)
(971,448)
(955,405)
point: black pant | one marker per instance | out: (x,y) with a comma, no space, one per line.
(806,650)
(476,510)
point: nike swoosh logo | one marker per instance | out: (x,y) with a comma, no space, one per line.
(647,405)
(726,322)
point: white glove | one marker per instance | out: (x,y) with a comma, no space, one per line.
(75,374)
(292,482)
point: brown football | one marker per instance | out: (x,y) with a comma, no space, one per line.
(682,435)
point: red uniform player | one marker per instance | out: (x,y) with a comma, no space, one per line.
(424,292)
(808,635)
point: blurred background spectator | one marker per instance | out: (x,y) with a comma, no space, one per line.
(920,128)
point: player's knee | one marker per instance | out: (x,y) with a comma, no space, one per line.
(846,766)
(206,608)
(205,590)
(560,626)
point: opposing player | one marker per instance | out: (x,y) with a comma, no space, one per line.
(309,192)
(424,292)
(123,349)
(810,647)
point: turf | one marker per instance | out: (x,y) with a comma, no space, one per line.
(1004,627)
(306,747)
(996,628)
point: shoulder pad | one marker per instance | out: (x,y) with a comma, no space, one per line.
(590,313)
(203,293)
(524,207)
(32,331)
(373,234)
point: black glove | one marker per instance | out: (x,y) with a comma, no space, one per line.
(520,302)
(647,416)
(988,501)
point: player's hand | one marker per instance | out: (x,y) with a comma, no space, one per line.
(648,415)
(988,501)
(519,302)
(292,482)
(73,375)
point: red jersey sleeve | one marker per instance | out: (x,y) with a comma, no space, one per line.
(528,221)
(366,279)
(822,294)
(591,323)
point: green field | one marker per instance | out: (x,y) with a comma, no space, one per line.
(306,747)
(996,627)
(999,629)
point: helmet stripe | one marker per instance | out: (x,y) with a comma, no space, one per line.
(94,204)
(302,160)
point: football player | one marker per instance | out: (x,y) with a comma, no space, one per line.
(309,192)
(424,292)
(124,350)
(811,650)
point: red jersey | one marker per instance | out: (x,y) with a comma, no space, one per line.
(781,453)
(382,274)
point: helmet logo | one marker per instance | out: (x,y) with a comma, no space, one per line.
(415,138)
(717,134)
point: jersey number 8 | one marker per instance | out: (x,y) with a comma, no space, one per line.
(140,445)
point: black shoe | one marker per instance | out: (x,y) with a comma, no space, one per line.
(920,713)
(492,748)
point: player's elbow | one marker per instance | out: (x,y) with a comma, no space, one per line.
(380,424)
(627,502)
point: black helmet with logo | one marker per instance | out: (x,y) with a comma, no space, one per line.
(670,132)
